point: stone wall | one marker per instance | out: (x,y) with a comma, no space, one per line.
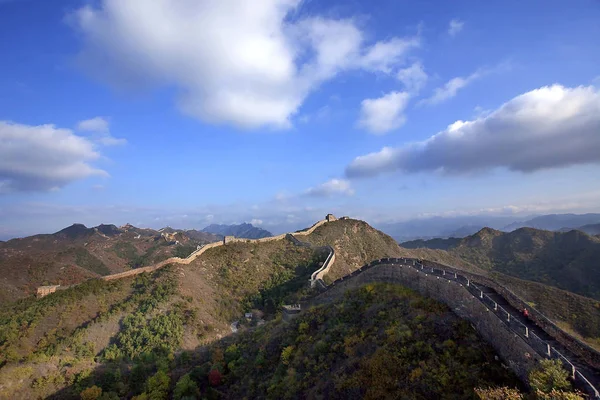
(514,351)
(453,288)
(590,355)
(197,253)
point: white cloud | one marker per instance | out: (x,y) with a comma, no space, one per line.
(451,88)
(330,188)
(549,127)
(42,158)
(383,56)
(413,78)
(99,126)
(256,222)
(384,114)
(234,61)
(455,27)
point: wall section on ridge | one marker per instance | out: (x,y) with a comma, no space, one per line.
(517,354)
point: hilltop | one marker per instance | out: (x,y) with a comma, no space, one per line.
(355,243)
(77,253)
(245,230)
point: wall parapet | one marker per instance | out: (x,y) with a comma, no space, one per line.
(583,372)
(228,239)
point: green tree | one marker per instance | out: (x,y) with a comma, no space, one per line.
(186,388)
(498,393)
(286,355)
(91,393)
(157,386)
(549,375)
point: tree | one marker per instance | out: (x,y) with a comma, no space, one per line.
(559,395)
(498,393)
(549,375)
(186,388)
(157,386)
(214,377)
(91,393)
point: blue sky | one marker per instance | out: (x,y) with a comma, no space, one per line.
(185,113)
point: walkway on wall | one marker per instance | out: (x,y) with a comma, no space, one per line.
(585,376)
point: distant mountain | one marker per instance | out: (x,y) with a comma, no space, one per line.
(566,260)
(590,229)
(464,231)
(554,222)
(77,253)
(441,227)
(245,230)
(435,244)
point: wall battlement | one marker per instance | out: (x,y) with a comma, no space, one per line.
(519,340)
(200,251)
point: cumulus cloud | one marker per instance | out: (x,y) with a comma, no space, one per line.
(42,158)
(256,222)
(413,78)
(455,27)
(234,61)
(383,114)
(99,126)
(331,188)
(550,127)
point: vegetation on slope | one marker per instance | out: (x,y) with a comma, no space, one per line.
(139,324)
(379,341)
(567,260)
(254,275)
(518,259)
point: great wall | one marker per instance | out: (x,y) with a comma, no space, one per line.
(226,240)
(492,309)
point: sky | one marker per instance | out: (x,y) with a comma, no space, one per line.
(277,112)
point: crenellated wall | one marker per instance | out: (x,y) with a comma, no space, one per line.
(517,339)
(226,240)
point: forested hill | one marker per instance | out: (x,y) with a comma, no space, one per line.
(566,260)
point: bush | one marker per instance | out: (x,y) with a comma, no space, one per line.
(185,388)
(157,386)
(91,393)
(214,377)
(501,393)
(549,375)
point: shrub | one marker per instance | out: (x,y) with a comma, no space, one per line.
(91,393)
(500,393)
(549,375)
(214,377)
(186,387)
(157,386)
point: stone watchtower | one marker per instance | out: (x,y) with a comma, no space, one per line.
(46,290)
(330,218)
(228,239)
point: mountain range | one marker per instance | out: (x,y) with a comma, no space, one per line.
(461,226)
(245,230)
(567,260)
(77,253)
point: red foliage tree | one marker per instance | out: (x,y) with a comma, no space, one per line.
(214,377)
